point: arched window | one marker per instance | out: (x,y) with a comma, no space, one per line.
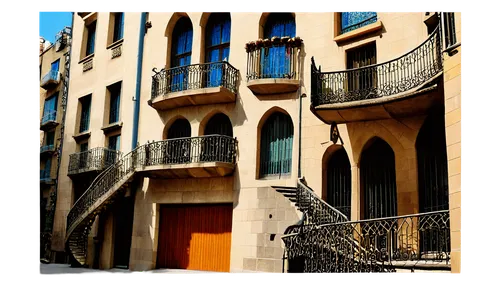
(276,143)
(276,60)
(338,193)
(217,38)
(218,148)
(179,151)
(182,40)
(353,20)
(378,180)
(219,124)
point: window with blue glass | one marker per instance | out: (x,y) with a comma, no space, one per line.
(114,102)
(217,38)
(90,38)
(85,114)
(50,109)
(49,139)
(45,173)
(118,26)
(181,53)
(55,66)
(275,60)
(354,20)
(276,144)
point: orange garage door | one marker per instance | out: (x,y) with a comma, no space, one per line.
(196,237)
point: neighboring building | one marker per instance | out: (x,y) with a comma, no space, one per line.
(54,73)
(187,134)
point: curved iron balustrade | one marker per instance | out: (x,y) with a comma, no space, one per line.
(97,159)
(195,76)
(402,74)
(375,245)
(316,211)
(101,192)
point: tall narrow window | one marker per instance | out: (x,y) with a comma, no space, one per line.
(118,26)
(339,182)
(114,142)
(50,109)
(218,34)
(55,66)
(217,148)
(179,151)
(90,38)
(114,102)
(49,139)
(363,80)
(85,114)
(449,29)
(84,147)
(276,144)
(114,145)
(275,61)
(46,171)
(354,20)
(181,53)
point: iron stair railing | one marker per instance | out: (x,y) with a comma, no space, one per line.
(113,181)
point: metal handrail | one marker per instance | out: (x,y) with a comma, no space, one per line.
(46,148)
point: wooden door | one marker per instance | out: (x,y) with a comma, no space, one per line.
(195,237)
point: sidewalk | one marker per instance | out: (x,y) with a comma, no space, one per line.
(64,271)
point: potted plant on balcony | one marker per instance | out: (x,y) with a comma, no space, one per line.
(250,46)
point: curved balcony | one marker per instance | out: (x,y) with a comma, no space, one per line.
(194,85)
(48,120)
(401,87)
(50,79)
(196,157)
(273,65)
(93,160)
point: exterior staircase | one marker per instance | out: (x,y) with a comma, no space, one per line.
(115,180)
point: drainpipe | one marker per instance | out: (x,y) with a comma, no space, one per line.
(300,123)
(137,98)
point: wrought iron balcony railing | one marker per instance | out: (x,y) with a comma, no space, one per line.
(273,58)
(375,245)
(402,74)
(211,148)
(51,77)
(46,148)
(49,116)
(192,77)
(95,159)
(45,175)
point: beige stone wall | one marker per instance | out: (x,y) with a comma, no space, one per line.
(453,94)
(253,199)
(105,72)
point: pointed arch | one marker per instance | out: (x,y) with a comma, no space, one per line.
(432,164)
(337,179)
(219,124)
(378,180)
(275,144)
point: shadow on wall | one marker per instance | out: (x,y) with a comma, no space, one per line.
(194,237)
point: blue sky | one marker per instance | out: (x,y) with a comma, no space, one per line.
(53,22)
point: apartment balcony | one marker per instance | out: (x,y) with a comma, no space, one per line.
(48,120)
(192,157)
(50,79)
(194,85)
(273,65)
(406,86)
(45,177)
(94,160)
(47,150)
